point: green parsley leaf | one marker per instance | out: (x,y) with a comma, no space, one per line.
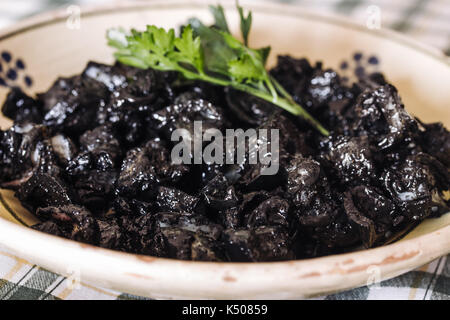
(189,49)
(209,54)
(245,70)
(216,51)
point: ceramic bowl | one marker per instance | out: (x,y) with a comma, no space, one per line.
(51,45)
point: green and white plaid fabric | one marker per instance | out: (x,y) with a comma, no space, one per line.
(426,21)
(20,279)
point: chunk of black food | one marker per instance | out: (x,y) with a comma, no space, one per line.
(272,243)
(272,212)
(248,109)
(229,218)
(237,245)
(74,221)
(206,249)
(439,171)
(45,190)
(95,189)
(71,104)
(336,237)
(93,171)
(381,116)
(265,175)
(364,219)
(145,167)
(102,139)
(250,201)
(320,91)
(132,207)
(187,245)
(412,186)
(350,159)
(291,139)
(201,174)
(234,217)
(218,194)
(129,114)
(15,158)
(182,116)
(87,162)
(38,141)
(375,205)
(109,76)
(222,202)
(25,149)
(189,221)
(137,178)
(440,182)
(148,83)
(184,97)
(389,224)
(50,227)
(370,81)
(435,140)
(193,90)
(100,151)
(21,108)
(293,74)
(167,172)
(170,199)
(134,233)
(395,156)
(325,94)
(310,193)
(110,234)
(190,236)
(253,178)
(47,160)
(179,242)
(265,243)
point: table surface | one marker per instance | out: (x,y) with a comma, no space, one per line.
(426,21)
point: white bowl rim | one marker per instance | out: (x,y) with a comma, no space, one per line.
(57,15)
(393,258)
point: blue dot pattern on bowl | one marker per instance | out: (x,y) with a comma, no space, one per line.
(28,81)
(11,74)
(12,71)
(359,66)
(20,64)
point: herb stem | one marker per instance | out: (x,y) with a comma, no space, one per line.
(287,103)
(281,89)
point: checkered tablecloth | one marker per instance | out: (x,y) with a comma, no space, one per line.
(427,21)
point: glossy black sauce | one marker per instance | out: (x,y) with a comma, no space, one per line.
(91,158)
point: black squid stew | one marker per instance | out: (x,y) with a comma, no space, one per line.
(91,157)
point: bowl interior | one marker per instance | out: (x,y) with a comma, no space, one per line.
(50,49)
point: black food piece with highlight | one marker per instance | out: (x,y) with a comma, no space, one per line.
(91,158)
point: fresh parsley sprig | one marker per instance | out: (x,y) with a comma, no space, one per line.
(208,54)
